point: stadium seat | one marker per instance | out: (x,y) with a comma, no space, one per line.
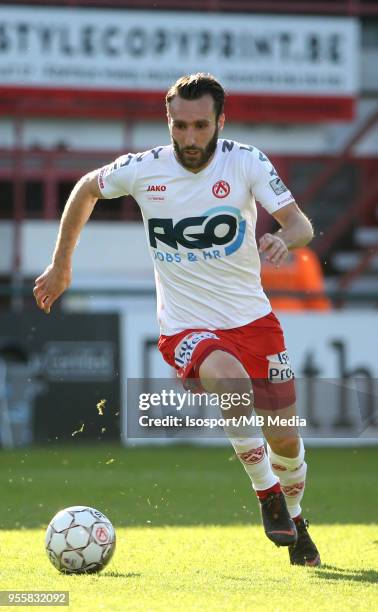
(301,273)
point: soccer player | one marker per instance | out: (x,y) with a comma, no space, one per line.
(197,198)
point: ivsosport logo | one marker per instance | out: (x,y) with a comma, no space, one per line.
(219,226)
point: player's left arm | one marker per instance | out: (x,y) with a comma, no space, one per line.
(296,231)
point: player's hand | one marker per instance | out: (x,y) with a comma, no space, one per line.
(50,285)
(274,248)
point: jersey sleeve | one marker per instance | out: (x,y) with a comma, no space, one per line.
(117,178)
(265,184)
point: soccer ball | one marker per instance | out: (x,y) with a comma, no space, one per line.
(80,540)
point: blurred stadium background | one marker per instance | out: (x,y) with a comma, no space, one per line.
(82,82)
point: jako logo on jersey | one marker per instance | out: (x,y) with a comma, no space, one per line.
(221,189)
(279,368)
(184,350)
(156,188)
(222,225)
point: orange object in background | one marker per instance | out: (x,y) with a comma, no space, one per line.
(300,273)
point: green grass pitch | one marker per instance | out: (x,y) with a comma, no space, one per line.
(188,529)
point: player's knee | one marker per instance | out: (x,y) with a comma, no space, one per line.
(221,372)
(285,445)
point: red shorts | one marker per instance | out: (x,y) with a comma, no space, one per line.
(259,346)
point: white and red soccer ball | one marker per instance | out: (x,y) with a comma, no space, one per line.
(80,540)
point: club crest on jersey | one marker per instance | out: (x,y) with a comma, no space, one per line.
(221,189)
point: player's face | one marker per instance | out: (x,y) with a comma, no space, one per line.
(194,130)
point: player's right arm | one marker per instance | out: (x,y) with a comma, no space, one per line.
(57,276)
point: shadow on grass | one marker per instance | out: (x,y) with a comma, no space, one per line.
(120,575)
(331,572)
(237,578)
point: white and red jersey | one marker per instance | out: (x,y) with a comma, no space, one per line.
(201,231)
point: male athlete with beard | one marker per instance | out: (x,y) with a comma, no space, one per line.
(197,198)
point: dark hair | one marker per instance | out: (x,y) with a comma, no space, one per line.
(194,86)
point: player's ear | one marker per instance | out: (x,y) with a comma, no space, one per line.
(221,121)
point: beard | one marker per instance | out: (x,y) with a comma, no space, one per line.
(203,155)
